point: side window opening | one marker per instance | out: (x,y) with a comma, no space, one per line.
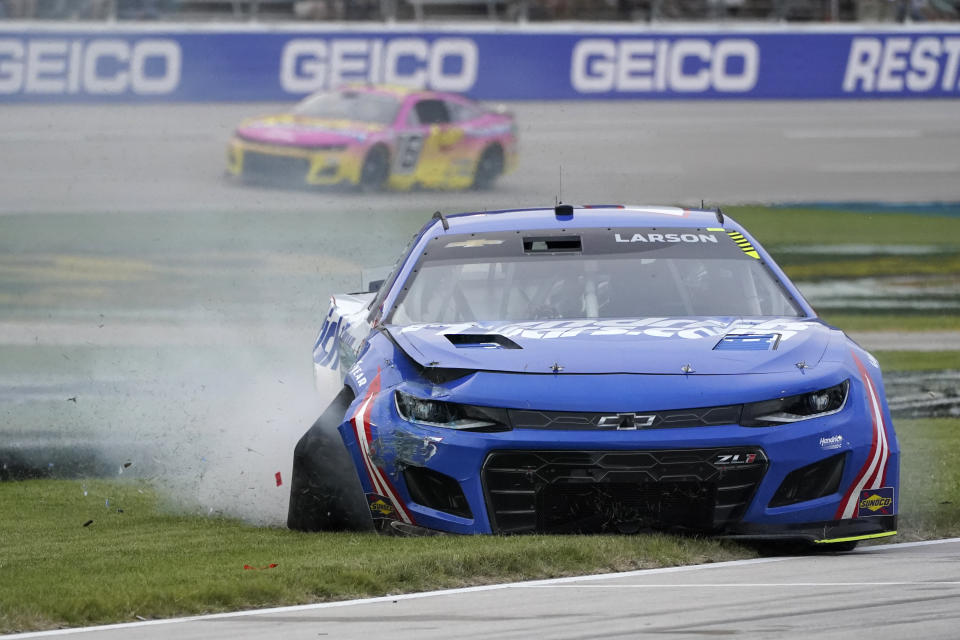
(430,112)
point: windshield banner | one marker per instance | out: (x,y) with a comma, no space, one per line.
(47,64)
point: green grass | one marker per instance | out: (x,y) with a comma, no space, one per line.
(918,360)
(930,478)
(143,562)
(785,226)
(778,228)
(819,267)
(888,321)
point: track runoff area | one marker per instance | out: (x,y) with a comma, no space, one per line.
(877,592)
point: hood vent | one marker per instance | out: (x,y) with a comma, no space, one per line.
(481,341)
(748,342)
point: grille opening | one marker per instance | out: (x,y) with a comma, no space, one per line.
(557,244)
(810,482)
(674,418)
(625,508)
(620,491)
(274,168)
(437,491)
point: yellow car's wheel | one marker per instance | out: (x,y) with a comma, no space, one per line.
(489,167)
(375,169)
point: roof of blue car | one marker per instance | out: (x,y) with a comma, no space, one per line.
(582,216)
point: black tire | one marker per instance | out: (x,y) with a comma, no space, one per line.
(325,492)
(837,547)
(375,170)
(775,548)
(489,167)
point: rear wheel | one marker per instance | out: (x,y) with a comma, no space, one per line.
(489,167)
(375,170)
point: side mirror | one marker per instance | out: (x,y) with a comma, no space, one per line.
(374,285)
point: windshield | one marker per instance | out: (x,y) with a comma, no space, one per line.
(673,279)
(361,106)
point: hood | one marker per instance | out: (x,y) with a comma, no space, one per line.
(294,130)
(663,346)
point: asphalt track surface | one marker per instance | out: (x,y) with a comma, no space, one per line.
(882,592)
(170,157)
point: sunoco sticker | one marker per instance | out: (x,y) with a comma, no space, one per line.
(875,502)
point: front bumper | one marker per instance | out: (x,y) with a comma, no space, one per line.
(827,532)
(292,165)
(671,478)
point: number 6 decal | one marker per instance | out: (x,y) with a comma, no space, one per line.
(409,146)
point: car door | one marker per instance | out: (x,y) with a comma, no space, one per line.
(427,145)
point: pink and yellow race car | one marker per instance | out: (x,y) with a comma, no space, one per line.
(374,137)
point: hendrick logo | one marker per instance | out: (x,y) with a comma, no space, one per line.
(833,442)
(627,421)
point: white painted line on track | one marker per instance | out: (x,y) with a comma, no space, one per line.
(907,545)
(913,167)
(738,585)
(447,592)
(850,134)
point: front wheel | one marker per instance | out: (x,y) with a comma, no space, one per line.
(489,168)
(375,170)
(325,492)
(839,547)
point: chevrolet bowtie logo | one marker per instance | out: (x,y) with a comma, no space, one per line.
(627,421)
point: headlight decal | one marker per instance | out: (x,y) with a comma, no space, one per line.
(450,415)
(381,484)
(816,404)
(873,474)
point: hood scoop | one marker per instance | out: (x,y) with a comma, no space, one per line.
(481,341)
(748,342)
(710,346)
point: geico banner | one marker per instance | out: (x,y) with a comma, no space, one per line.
(521,63)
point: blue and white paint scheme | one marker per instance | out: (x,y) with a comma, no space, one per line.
(467,409)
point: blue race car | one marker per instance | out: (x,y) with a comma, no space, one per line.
(595,369)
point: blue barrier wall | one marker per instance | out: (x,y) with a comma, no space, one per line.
(77,65)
